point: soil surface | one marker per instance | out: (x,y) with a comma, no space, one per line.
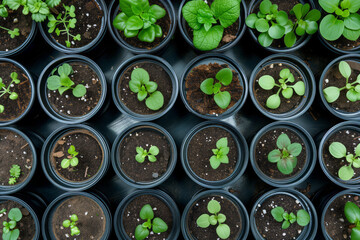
(345,44)
(147,171)
(14,108)
(268,227)
(228,208)
(89,18)
(203,103)
(157,74)
(91,222)
(131,216)
(334,78)
(69,105)
(267,143)
(91,155)
(262,95)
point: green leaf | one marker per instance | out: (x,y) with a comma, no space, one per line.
(251,19)
(74,162)
(262,25)
(224,159)
(141,233)
(157,11)
(290,39)
(297,9)
(353,21)
(65,70)
(222,99)
(285,73)
(208,40)
(265,40)
(15,214)
(155,101)
(120,21)
(134,23)
(223,231)
(276,31)
(213,206)
(147,35)
(207,86)
(355,233)
(283,141)
(287,93)
(139,150)
(65,163)
(79,91)
(277,214)
(267,82)
(273,101)
(346,173)
(203,221)
(351,35)
(213,221)
(265,6)
(142,94)
(329,5)
(331,94)
(135,85)
(303,217)
(299,88)
(274,156)
(305,9)
(140,75)
(53,82)
(2,108)
(140,158)
(352,212)
(285,225)
(345,69)
(159,226)
(352,95)
(354,6)
(151,86)
(66,223)
(158,31)
(190,12)
(154,150)
(146,212)
(225,76)
(221,218)
(357,150)
(130,33)
(313,15)
(222,143)
(337,150)
(282,18)
(227,11)
(13,96)
(214,162)
(53,3)
(331,28)
(294,149)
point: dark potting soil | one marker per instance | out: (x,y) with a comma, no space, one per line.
(14,108)
(267,143)
(199,153)
(14,20)
(345,44)
(91,155)
(228,208)
(15,150)
(268,227)
(164,23)
(144,137)
(26,225)
(262,95)
(334,78)
(203,103)
(157,74)
(69,105)
(131,216)
(91,222)
(350,139)
(89,16)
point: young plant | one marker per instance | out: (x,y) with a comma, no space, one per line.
(285,155)
(274,24)
(6,90)
(142,154)
(208,22)
(352,214)
(9,231)
(338,150)
(62,82)
(15,172)
(74,230)
(267,82)
(157,225)
(72,159)
(204,221)
(302,217)
(222,98)
(332,93)
(140,83)
(138,18)
(13,33)
(220,153)
(342,19)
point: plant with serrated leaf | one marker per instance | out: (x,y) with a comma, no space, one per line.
(267,82)
(205,220)
(142,154)
(71,160)
(274,24)
(342,19)
(10,232)
(209,22)
(15,172)
(302,217)
(74,230)
(157,225)
(221,98)
(220,153)
(140,83)
(6,90)
(332,93)
(338,150)
(352,214)
(62,81)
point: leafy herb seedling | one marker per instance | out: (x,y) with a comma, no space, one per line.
(220,153)
(15,172)
(352,214)
(208,22)
(13,33)
(10,232)
(62,82)
(140,83)
(157,225)
(204,221)
(285,156)
(267,82)
(6,90)
(332,93)
(302,217)
(138,18)
(222,98)
(74,230)
(142,154)
(338,150)
(72,159)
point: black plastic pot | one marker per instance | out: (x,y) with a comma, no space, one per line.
(307,75)
(309,231)
(243,155)
(337,50)
(144,58)
(47,228)
(50,172)
(243,212)
(42,89)
(118,219)
(114,11)
(240,33)
(221,59)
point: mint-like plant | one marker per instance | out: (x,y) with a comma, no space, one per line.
(6,90)
(71,160)
(10,232)
(352,214)
(74,230)
(15,172)
(142,154)
(302,217)
(220,153)
(157,225)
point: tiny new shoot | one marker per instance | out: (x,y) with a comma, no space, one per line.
(13,33)
(15,172)
(71,160)
(220,153)
(142,154)
(10,232)
(6,90)
(302,217)
(157,225)
(352,214)
(74,230)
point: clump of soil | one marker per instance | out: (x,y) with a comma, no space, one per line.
(345,44)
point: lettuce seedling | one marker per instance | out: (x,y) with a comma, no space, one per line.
(9,231)
(267,82)
(140,83)
(62,82)
(15,172)
(138,18)
(74,230)
(72,159)
(208,23)
(222,98)
(142,154)
(352,214)
(302,217)
(338,150)
(220,153)
(6,90)
(342,19)
(204,221)
(157,225)
(332,93)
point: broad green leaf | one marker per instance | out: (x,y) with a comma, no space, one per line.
(352,95)
(355,233)
(329,5)
(203,221)
(147,35)
(66,81)
(225,76)
(146,212)
(151,158)
(283,141)
(227,11)
(331,28)
(155,101)
(190,12)
(337,150)
(297,9)
(65,70)
(267,82)
(285,225)
(140,75)
(213,221)
(225,150)
(2,108)
(357,150)
(311,27)
(303,217)
(224,159)
(214,162)
(262,25)
(151,86)
(286,166)
(63,89)
(120,21)
(313,15)
(159,226)
(222,142)
(130,33)
(207,86)
(299,88)
(276,31)
(140,158)
(65,163)
(345,69)
(141,233)
(135,85)
(346,173)
(331,94)
(351,35)
(352,22)
(251,19)
(265,6)
(274,156)
(74,162)
(134,23)
(287,93)
(142,94)
(158,31)
(15,214)
(285,73)
(157,11)
(282,18)
(53,82)
(354,6)
(154,150)
(222,99)
(352,212)
(213,206)
(265,40)
(273,101)
(208,40)
(294,149)
(221,218)
(290,39)
(79,91)
(223,231)
(277,214)
(125,6)
(305,9)
(301,28)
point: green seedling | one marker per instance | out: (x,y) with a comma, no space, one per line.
(352,214)
(10,232)
(6,90)
(15,172)
(302,217)
(142,154)
(157,225)
(13,33)
(220,153)
(71,160)
(74,230)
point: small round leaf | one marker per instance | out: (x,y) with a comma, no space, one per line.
(331,94)
(222,99)
(346,173)
(287,93)
(337,150)
(155,101)
(223,231)
(203,221)
(273,101)
(299,88)
(267,82)
(274,156)
(214,207)
(303,217)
